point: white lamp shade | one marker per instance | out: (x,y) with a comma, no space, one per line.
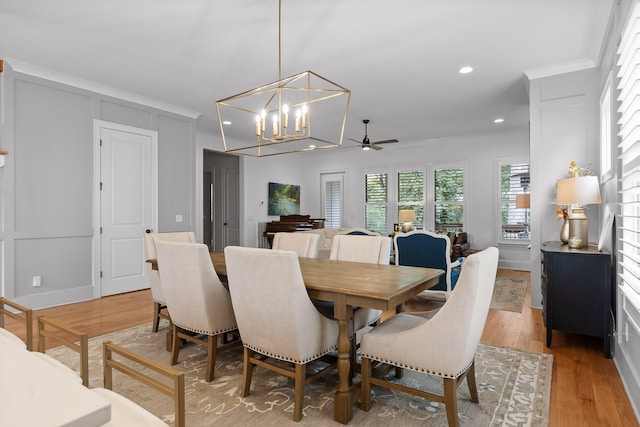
(406,216)
(583,190)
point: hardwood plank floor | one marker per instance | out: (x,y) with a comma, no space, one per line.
(586,389)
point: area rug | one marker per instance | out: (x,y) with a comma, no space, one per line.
(513,387)
(508,294)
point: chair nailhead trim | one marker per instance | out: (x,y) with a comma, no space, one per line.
(402,365)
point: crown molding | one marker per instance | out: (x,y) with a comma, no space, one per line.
(44,73)
(559,68)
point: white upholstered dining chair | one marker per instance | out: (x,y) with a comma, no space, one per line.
(304,244)
(443,346)
(196,299)
(276,317)
(157,294)
(369,249)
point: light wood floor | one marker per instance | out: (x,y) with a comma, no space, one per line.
(586,388)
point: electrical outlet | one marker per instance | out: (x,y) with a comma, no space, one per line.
(37,281)
(178,218)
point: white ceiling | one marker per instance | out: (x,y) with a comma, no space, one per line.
(399,59)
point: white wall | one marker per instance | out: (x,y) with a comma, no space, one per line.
(480,151)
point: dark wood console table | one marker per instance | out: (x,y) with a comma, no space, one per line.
(576,291)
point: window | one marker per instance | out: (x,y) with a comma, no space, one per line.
(411,194)
(375,214)
(514,201)
(332,193)
(629,186)
(449,199)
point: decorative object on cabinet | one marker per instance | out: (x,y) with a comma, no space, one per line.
(581,188)
(576,291)
(2,154)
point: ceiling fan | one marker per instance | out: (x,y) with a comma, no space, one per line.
(367,144)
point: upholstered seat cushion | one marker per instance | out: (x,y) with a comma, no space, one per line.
(8,337)
(125,413)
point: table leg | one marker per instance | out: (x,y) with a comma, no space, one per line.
(343,401)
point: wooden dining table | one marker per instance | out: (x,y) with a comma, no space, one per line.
(347,285)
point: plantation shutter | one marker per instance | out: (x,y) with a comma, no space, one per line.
(332,208)
(376,202)
(449,199)
(411,193)
(629,185)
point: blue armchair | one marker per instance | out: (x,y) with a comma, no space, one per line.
(425,249)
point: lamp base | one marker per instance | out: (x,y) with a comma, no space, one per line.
(407,227)
(578,229)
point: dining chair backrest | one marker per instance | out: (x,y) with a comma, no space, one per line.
(195,296)
(303,244)
(359,248)
(150,240)
(360,232)
(274,312)
(421,248)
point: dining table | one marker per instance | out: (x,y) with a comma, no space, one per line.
(347,285)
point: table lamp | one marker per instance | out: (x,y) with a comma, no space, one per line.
(575,192)
(407,217)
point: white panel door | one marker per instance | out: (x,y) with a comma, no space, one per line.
(126,207)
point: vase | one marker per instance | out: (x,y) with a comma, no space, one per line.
(564,232)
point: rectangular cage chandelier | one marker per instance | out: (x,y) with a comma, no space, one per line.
(302,112)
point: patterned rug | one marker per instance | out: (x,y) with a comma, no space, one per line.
(508,294)
(513,386)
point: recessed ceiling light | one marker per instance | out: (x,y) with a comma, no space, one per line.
(465,70)
(226,122)
(498,120)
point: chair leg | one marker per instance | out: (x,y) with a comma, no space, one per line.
(451,401)
(212,350)
(471,382)
(299,391)
(247,372)
(156,316)
(365,385)
(176,342)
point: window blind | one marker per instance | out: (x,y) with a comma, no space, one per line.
(629,149)
(376,202)
(411,193)
(449,199)
(332,204)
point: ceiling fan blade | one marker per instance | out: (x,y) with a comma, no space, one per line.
(386,141)
(375,147)
(355,140)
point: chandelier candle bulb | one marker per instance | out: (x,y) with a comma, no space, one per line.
(285,122)
(298,114)
(275,125)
